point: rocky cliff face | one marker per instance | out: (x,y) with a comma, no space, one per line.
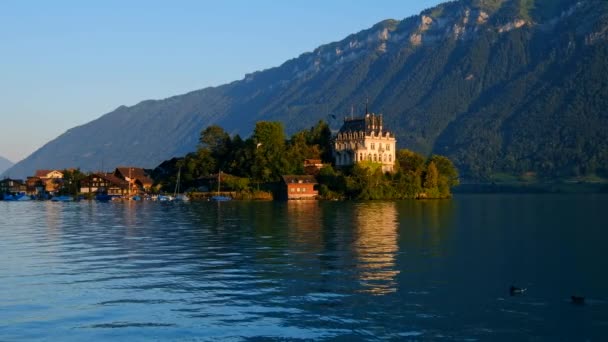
(500,86)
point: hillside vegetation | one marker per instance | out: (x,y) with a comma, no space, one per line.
(513,87)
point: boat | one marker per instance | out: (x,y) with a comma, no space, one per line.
(103,197)
(176,195)
(63,198)
(23,197)
(218,197)
(164,198)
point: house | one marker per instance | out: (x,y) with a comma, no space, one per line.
(136,176)
(106,183)
(299,187)
(35,186)
(365,140)
(49,174)
(52,179)
(12,186)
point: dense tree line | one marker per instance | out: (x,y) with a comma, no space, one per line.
(268,154)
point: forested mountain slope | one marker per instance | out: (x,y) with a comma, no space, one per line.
(499,86)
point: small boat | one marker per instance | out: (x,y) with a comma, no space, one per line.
(9,197)
(23,197)
(63,198)
(218,197)
(176,195)
(164,198)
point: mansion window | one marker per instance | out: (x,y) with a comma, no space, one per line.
(373,146)
(388,147)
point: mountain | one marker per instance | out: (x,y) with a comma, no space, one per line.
(499,86)
(5,164)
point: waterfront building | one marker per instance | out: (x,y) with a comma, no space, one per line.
(365,140)
(52,180)
(104,183)
(299,187)
(136,177)
(14,186)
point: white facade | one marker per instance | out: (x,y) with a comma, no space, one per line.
(364,139)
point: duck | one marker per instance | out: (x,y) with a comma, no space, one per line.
(513,290)
(579,300)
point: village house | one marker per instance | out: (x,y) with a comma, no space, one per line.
(104,183)
(12,186)
(299,187)
(35,186)
(52,180)
(136,177)
(365,140)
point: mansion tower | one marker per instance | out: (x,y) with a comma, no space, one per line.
(364,139)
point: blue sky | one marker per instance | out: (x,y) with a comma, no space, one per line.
(65,63)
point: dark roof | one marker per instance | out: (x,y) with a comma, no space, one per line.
(367,124)
(109,177)
(299,179)
(136,173)
(7,180)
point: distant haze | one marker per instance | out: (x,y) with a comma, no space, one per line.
(4,164)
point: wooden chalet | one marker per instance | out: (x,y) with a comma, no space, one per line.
(299,187)
(12,186)
(104,183)
(35,186)
(136,176)
(52,179)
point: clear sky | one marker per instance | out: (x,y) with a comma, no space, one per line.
(65,63)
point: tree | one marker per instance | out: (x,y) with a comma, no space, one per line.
(446,169)
(410,161)
(71,182)
(216,140)
(270,162)
(431,177)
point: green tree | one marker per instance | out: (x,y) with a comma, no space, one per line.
(432,176)
(270,162)
(216,140)
(446,169)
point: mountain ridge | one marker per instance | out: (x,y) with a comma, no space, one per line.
(452,80)
(5,164)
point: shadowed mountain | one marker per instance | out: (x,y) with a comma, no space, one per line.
(5,164)
(499,86)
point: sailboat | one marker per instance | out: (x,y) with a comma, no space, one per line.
(176,195)
(218,197)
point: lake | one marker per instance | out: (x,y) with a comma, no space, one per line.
(238,271)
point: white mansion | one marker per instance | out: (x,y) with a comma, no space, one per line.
(364,139)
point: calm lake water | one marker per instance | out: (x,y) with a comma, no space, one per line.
(410,270)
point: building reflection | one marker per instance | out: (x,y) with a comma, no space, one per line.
(376,246)
(304,222)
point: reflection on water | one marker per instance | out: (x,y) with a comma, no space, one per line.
(421,270)
(376,246)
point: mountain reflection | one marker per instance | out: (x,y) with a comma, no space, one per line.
(376,246)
